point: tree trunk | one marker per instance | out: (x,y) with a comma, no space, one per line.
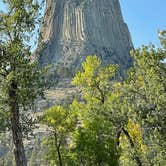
(59,156)
(58,149)
(19,152)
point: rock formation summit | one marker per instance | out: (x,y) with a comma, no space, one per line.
(73,29)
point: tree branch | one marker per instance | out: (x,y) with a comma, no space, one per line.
(136,157)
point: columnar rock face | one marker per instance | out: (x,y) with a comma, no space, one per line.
(73,29)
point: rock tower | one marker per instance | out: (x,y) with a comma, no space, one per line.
(73,29)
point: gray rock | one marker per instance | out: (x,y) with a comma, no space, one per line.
(73,29)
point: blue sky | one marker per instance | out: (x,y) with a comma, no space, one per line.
(144,19)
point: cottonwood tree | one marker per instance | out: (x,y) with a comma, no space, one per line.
(144,96)
(134,106)
(20,78)
(62,123)
(95,137)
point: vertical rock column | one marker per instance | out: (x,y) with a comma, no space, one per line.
(73,29)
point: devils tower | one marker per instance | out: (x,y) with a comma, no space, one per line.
(73,29)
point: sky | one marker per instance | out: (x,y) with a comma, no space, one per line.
(144,18)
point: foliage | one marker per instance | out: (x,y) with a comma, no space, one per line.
(162,37)
(61,122)
(144,93)
(15,58)
(136,148)
(95,79)
(118,121)
(20,77)
(115,122)
(95,141)
(83,134)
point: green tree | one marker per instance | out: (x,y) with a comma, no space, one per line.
(62,123)
(95,137)
(162,37)
(20,78)
(144,94)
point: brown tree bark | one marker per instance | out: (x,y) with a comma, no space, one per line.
(19,152)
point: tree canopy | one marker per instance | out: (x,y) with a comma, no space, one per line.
(119,121)
(20,77)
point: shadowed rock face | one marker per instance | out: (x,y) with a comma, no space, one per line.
(73,29)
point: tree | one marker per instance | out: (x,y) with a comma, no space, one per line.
(95,138)
(20,78)
(162,37)
(62,123)
(144,93)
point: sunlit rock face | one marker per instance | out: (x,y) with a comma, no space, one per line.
(73,29)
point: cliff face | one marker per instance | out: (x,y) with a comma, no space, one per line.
(73,29)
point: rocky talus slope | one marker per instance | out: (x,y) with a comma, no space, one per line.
(63,93)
